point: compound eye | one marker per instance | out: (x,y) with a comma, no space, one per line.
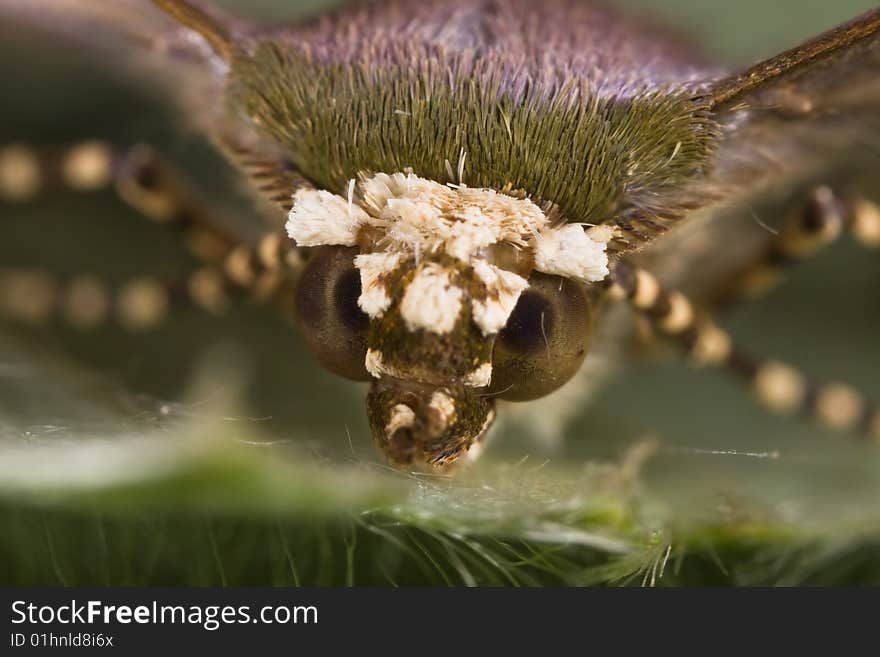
(334,326)
(545,340)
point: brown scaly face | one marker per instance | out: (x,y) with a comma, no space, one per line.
(446,298)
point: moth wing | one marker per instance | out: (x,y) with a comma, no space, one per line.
(132,38)
(808,115)
(812,108)
(835,70)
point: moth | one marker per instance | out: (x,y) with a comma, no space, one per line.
(463,198)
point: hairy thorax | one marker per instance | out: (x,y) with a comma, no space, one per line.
(600,138)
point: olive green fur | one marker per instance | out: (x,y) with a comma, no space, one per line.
(598,159)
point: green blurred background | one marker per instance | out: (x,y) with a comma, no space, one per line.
(215,452)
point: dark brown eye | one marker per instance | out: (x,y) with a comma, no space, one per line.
(545,339)
(335,328)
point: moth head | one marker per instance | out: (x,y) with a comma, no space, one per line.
(446,298)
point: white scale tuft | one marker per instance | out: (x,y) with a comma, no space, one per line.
(572,252)
(442,404)
(423,216)
(374,299)
(480,377)
(431,301)
(491,314)
(416,217)
(319,217)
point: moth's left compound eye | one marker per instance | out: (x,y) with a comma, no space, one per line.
(334,326)
(545,339)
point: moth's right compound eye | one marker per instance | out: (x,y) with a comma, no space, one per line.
(334,326)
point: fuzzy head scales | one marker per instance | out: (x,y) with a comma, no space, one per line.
(407,217)
(437,284)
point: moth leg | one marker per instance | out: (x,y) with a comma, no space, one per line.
(156,190)
(819,222)
(36,298)
(141,178)
(262,266)
(778,386)
(149,184)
